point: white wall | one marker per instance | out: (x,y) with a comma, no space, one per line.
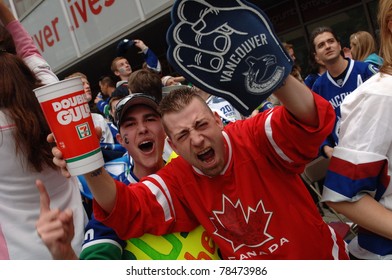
(66,31)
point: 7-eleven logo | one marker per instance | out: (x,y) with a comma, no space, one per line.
(83,130)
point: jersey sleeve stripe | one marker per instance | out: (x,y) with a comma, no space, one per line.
(353,180)
(351,188)
(356,171)
(335,247)
(101,241)
(162,196)
(268,131)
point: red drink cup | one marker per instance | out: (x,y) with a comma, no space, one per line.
(68,114)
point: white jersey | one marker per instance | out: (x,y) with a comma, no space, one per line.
(20,205)
(99,121)
(361,162)
(225,110)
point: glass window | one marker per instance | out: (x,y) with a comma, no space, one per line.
(22,7)
(283,16)
(297,39)
(312,10)
(344,24)
(373,9)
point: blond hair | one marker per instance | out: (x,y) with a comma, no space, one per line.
(384,16)
(113,66)
(77,74)
(362,45)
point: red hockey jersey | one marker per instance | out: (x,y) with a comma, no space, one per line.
(257,208)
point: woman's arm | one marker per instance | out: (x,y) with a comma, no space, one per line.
(368,213)
(25,47)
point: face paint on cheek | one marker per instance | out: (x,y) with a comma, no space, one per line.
(126,140)
(122,70)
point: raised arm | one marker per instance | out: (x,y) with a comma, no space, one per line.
(25,46)
(299,101)
(6,15)
(23,42)
(101,184)
(150,57)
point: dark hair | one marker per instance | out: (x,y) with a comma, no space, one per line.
(317,31)
(107,80)
(19,104)
(6,41)
(146,81)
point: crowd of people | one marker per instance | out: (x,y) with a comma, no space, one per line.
(186,175)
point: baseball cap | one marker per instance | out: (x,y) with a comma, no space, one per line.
(124,45)
(132,100)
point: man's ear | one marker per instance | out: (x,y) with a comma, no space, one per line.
(119,138)
(316,58)
(117,73)
(340,45)
(218,120)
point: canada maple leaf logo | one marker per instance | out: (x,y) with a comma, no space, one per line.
(239,228)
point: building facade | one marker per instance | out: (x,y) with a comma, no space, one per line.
(82,35)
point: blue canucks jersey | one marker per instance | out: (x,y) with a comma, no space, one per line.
(336,91)
(121,170)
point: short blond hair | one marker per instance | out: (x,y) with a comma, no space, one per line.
(113,66)
(77,74)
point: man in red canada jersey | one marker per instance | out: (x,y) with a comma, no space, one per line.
(241,181)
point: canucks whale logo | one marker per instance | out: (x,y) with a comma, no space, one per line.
(263,74)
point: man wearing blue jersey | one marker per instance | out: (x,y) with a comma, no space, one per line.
(343,76)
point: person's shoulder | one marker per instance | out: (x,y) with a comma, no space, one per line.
(311,76)
(322,79)
(98,118)
(121,90)
(365,67)
(310,79)
(121,83)
(176,165)
(118,166)
(95,229)
(378,84)
(358,63)
(374,59)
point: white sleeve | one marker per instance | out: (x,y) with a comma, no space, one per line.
(99,121)
(361,161)
(366,115)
